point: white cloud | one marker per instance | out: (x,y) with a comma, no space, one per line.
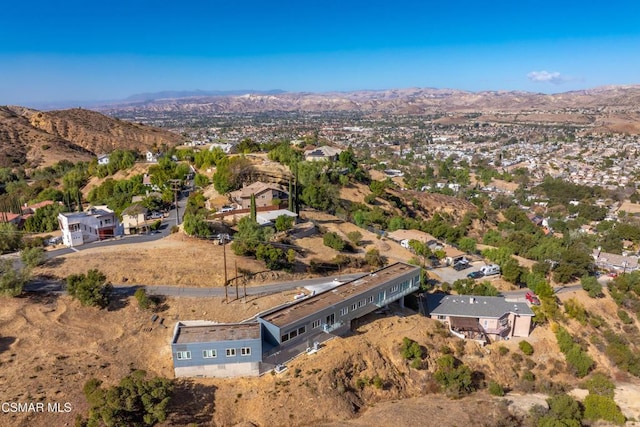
(547,77)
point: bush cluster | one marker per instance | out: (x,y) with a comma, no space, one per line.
(91,289)
(576,357)
(135,401)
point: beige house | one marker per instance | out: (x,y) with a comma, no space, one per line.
(134,219)
(266,195)
(480,318)
(322,153)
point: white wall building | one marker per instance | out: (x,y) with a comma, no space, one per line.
(96,223)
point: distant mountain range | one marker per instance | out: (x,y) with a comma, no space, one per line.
(174,94)
(393,101)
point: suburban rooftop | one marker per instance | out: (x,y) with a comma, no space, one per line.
(474,306)
(216,332)
(306,307)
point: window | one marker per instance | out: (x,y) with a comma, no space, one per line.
(371,299)
(315,324)
(302,330)
(209,354)
(354,307)
(183,355)
(293,334)
(245,351)
(107,221)
(440,317)
(231,352)
(284,338)
(344,311)
(362,303)
(394,288)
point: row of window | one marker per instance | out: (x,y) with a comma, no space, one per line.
(345,310)
(291,335)
(356,305)
(213,353)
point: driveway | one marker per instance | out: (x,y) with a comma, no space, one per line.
(449,275)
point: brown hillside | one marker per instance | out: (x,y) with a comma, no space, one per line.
(99,133)
(22,144)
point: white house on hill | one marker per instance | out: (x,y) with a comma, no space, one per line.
(96,223)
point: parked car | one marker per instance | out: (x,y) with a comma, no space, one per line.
(459,266)
(475,275)
(613,274)
(532,298)
(156,215)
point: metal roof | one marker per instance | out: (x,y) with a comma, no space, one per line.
(313,304)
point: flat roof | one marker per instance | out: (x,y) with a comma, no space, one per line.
(305,307)
(217,332)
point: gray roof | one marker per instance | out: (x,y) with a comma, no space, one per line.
(474,306)
(217,332)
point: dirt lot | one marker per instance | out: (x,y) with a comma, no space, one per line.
(175,260)
(50,346)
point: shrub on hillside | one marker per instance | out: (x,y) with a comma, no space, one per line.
(495,389)
(526,348)
(11,279)
(334,241)
(135,401)
(143,299)
(454,377)
(91,289)
(597,407)
(355,237)
(32,257)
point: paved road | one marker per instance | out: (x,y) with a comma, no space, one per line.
(179,291)
(165,230)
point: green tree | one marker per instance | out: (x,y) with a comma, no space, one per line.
(10,238)
(592,286)
(249,236)
(196,225)
(12,280)
(468,245)
(91,289)
(135,401)
(253,209)
(355,237)
(231,173)
(375,259)
(334,241)
(32,257)
(284,223)
(274,258)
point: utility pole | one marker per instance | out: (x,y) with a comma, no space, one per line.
(224,258)
(175,186)
(236,280)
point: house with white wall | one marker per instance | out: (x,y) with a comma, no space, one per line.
(94,224)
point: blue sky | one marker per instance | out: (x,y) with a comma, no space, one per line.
(90,50)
